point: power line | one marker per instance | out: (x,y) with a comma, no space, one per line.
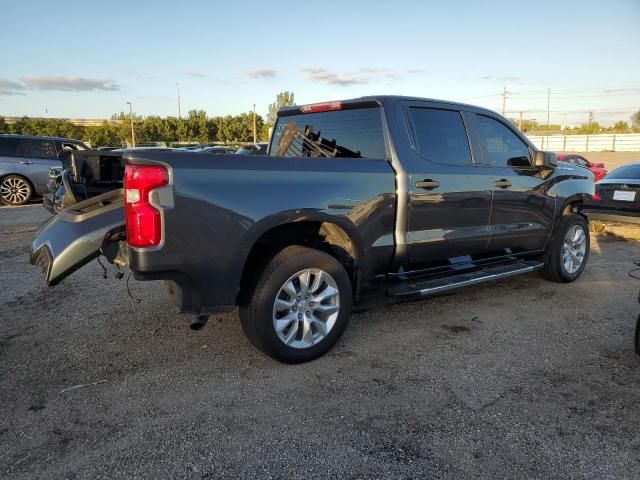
(586,110)
(605,92)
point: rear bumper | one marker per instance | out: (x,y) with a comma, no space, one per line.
(74,237)
(613,216)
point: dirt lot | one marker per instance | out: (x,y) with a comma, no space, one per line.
(522,378)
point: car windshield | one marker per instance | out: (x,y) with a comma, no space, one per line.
(625,172)
(246,151)
(350,133)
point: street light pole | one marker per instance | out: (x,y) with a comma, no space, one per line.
(255,136)
(133,132)
(178,88)
(548,105)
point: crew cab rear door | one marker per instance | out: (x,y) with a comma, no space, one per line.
(449,198)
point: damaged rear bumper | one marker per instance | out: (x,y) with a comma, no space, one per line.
(77,235)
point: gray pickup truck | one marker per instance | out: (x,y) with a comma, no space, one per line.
(411,195)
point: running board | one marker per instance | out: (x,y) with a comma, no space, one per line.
(432,286)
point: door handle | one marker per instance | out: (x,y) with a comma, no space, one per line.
(503,183)
(427,184)
(26,162)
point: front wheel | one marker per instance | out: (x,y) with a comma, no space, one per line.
(297,306)
(568,250)
(15,190)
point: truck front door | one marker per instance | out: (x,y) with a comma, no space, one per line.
(522,212)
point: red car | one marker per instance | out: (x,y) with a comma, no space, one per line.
(597,169)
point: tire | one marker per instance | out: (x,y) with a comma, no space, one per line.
(563,250)
(15,190)
(278,323)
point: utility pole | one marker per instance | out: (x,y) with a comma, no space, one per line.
(178,88)
(133,132)
(255,136)
(548,104)
(520,122)
(504,99)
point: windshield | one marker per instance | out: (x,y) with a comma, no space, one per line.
(344,133)
(626,172)
(246,151)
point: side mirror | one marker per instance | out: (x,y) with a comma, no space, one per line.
(545,160)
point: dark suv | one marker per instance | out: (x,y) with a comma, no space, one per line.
(25,162)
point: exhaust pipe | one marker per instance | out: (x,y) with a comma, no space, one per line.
(201,321)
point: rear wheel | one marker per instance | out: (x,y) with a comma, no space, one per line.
(297,306)
(568,250)
(15,190)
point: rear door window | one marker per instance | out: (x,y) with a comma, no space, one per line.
(499,145)
(8,146)
(354,133)
(35,148)
(440,135)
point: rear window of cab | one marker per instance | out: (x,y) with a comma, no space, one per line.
(353,133)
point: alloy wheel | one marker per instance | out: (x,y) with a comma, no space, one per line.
(306,308)
(574,248)
(14,190)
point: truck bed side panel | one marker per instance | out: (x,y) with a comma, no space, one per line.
(222,205)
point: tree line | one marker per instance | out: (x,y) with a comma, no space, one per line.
(197,127)
(587,128)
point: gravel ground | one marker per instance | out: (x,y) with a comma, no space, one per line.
(516,379)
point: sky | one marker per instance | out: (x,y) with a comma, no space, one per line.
(84,59)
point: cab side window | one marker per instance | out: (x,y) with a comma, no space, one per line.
(33,148)
(499,145)
(440,136)
(8,146)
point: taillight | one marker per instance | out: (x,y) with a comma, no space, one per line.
(321,107)
(144,222)
(597,197)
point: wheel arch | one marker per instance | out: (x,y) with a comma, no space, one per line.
(573,204)
(325,234)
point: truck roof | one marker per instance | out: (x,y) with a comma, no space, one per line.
(382,99)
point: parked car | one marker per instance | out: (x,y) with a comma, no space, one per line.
(598,169)
(617,196)
(255,149)
(219,150)
(25,161)
(194,148)
(411,195)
